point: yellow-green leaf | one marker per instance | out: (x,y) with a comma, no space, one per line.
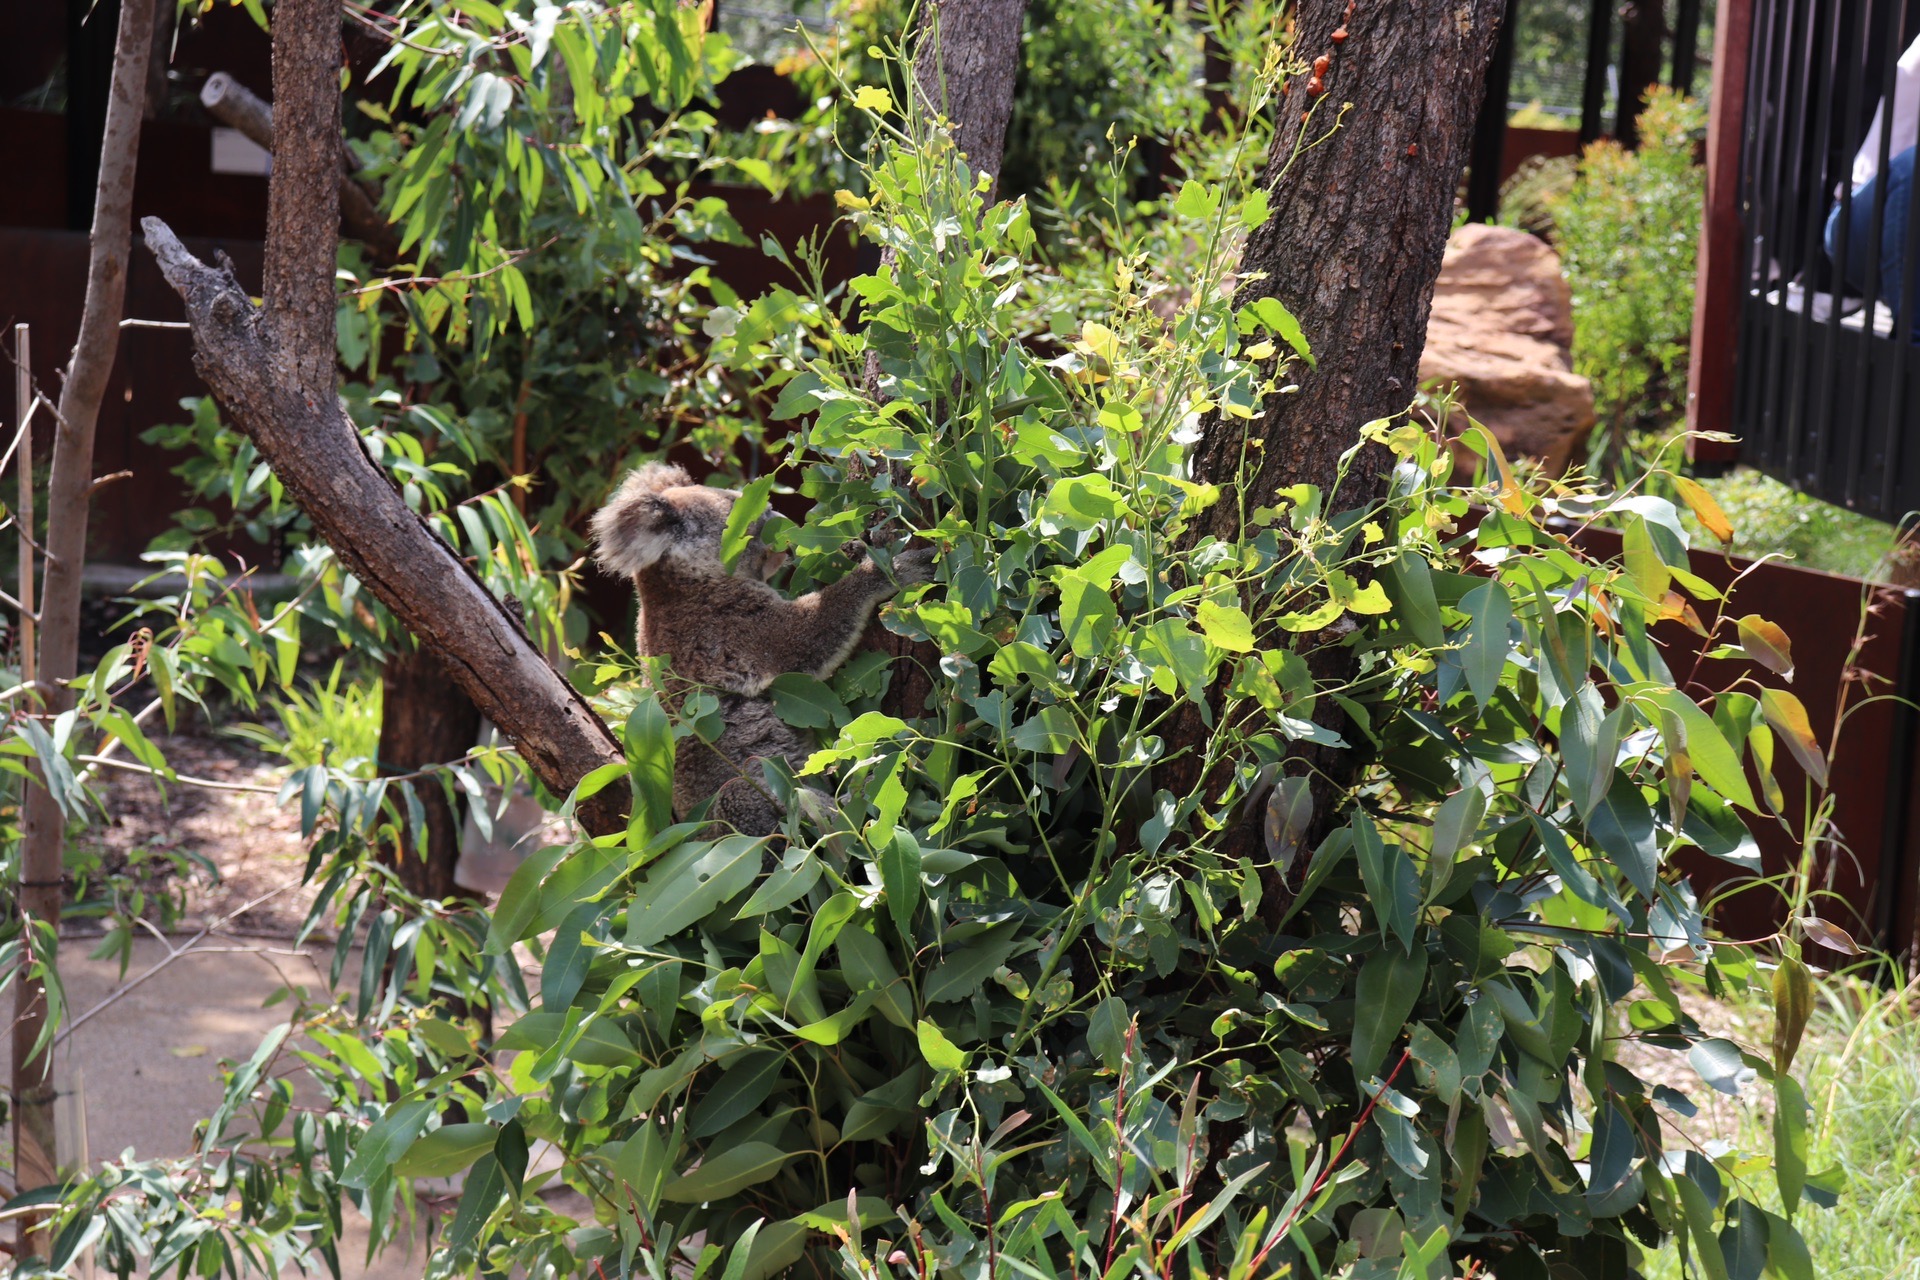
(1788,717)
(1792,1006)
(1767,644)
(1226,626)
(1705,509)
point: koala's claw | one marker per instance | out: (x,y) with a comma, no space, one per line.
(914,567)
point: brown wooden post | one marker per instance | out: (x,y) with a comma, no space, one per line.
(1716,299)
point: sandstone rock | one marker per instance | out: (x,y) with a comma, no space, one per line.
(1501,330)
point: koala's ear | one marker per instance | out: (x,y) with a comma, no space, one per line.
(637,527)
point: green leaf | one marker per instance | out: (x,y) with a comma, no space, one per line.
(1721,1064)
(445,1151)
(724,1173)
(385,1142)
(1589,745)
(1080,502)
(650,750)
(941,1053)
(1787,1255)
(791,881)
(686,886)
(965,966)
(801,700)
(1088,615)
(485,1187)
(1622,827)
(1792,1007)
(1409,581)
(900,877)
(1389,984)
(1614,1149)
(1271,314)
(1225,626)
(741,1088)
(1700,1233)
(644,1163)
(1196,200)
(747,508)
(1717,763)
(1485,653)
(1392,885)
(1455,824)
(1107,1031)
(866,967)
(1789,1140)
(1644,565)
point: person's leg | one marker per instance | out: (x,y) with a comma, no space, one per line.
(1859,224)
(1893,230)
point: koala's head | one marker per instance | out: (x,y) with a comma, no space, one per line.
(659,513)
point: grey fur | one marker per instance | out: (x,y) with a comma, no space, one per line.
(730,633)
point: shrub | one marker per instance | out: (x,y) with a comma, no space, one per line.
(999,999)
(1628,233)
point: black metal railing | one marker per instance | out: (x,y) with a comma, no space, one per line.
(1827,373)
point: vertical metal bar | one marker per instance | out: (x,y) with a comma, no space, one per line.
(1874,25)
(1789,133)
(1490,130)
(1686,40)
(1894,354)
(1752,412)
(23,455)
(1593,89)
(1808,439)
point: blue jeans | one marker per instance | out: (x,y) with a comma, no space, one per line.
(1893,231)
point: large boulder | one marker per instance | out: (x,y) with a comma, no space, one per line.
(1502,330)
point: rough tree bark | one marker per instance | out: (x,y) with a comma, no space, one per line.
(426,713)
(272,369)
(1358,226)
(963,69)
(426,720)
(68,491)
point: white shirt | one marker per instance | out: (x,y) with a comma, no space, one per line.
(1906,119)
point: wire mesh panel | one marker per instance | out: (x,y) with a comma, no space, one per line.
(1827,356)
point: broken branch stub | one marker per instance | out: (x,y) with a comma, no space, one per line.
(358,510)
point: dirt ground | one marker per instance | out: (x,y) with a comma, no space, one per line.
(252,841)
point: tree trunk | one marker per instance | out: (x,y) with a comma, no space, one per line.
(1643,41)
(1358,226)
(238,107)
(425,720)
(964,69)
(272,369)
(59,630)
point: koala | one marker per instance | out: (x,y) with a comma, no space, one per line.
(730,633)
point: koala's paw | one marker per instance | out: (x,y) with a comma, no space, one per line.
(914,567)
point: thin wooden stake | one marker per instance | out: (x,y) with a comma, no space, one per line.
(23,402)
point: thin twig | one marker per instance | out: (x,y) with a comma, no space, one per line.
(184,780)
(131,323)
(107,751)
(173,954)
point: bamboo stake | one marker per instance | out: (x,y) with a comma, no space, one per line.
(23,402)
